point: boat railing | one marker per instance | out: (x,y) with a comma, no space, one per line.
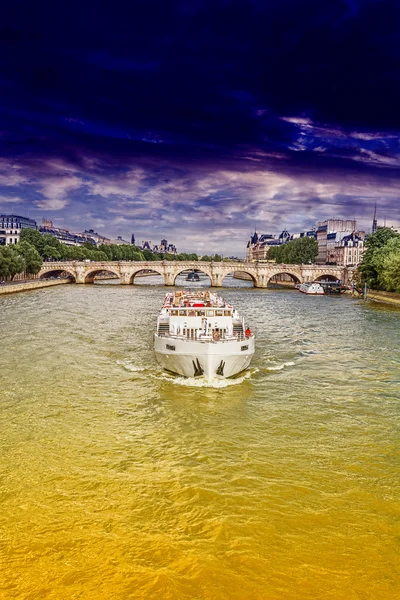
(205,338)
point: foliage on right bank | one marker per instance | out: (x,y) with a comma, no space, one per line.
(380,267)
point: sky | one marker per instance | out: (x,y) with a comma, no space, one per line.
(200,121)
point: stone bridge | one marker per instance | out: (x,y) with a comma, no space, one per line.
(260,273)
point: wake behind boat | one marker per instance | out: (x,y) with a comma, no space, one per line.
(200,335)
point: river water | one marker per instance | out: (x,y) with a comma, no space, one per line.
(120,481)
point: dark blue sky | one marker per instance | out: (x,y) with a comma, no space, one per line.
(197,121)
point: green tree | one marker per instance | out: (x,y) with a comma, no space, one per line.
(206,258)
(51,252)
(33,237)
(296,252)
(106,249)
(11,262)
(389,276)
(148,255)
(372,261)
(33,260)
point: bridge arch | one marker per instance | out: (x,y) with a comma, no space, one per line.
(144,271)
(241,278)
(179,271)
(284,277)
(92,273)
(327,277)
(57,272)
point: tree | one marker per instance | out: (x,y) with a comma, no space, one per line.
(374,255)
(390,274)
(11,262)
(299,251)
(51,252)
(148,255)
(33,237)
(33,260)
(107,249)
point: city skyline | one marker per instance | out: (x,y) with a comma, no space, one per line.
(201,121)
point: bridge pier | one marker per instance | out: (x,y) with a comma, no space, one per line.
(216,280)
(80,275)
(169,279)
(261,281)
(124,277)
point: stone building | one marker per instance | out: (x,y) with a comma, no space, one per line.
(11,226)
(349,250)
(329,234)
(258,246)
(91,234)
(63,235)
(162,248)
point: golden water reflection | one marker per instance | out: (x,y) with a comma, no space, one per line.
(117,481)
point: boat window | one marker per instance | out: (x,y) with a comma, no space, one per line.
(227,313)
(174,313)
(210,313)
(183,313)
(219,313)
(192,313)
(201,313)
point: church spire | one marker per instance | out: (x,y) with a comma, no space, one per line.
(374,222)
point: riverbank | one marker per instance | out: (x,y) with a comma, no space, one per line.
(384,297)
(13,288)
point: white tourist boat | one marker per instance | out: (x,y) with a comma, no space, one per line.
(311,287)
(200,335)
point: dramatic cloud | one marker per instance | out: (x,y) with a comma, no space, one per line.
(198,121)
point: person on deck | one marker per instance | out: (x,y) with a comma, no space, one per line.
(247,333)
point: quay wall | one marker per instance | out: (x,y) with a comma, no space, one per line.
(13,288)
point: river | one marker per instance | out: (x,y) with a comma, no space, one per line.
(121,481)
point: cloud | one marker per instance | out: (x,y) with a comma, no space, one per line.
(199,121)
(11,200)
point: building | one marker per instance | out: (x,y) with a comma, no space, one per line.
(63,235)
(349,250)
(163,248)
(118,242)
(258,246)
(166,248)
(11,226)
(90,234)
(310,233)
(329,234)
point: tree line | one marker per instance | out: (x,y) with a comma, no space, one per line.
(296,252)
(19,258)
(50,248)
(28,255)
(380,267)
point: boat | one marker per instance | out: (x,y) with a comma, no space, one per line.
(311,287)
(192,277)
(200,335)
